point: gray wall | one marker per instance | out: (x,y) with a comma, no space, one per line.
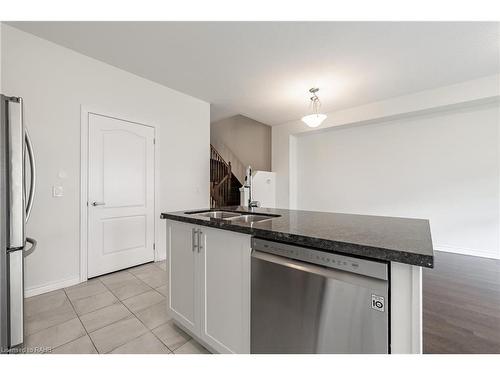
(250,140)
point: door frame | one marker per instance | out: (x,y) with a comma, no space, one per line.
(84,163)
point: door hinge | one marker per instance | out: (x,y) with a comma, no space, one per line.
(154,141)
(154,246)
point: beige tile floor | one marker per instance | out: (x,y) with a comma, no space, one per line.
(124,312)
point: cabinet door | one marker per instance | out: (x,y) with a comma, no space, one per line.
(225,271)
(182,283)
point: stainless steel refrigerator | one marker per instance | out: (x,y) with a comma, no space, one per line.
(17,188)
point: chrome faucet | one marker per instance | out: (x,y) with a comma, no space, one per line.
(248,184)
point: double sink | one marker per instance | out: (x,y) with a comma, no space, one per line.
(234,217)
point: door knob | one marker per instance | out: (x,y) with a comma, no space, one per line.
(98,204)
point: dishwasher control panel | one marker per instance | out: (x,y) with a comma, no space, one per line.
(350,264)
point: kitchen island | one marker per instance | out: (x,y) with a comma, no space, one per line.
(209,266)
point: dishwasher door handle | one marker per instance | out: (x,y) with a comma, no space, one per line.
(329,273)
(291,263)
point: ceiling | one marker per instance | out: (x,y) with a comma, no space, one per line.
(263,70)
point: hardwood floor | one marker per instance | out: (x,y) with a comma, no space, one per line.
(461,305)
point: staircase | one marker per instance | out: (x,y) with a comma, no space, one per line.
(237,166)
(224,186)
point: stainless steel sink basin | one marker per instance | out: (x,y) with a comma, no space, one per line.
(234,217)
(218,214)
(248,219)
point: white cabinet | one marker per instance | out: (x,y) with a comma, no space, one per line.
(225,290)
(209,284)
(182,264)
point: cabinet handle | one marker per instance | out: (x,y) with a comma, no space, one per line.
(194,231)
(200,246)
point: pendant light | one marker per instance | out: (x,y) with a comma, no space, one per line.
(315,119)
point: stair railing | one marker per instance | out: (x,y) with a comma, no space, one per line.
(237,166)
(220,179)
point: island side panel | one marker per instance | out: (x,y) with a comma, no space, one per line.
(406,309)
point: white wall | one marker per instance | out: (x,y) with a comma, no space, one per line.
(55,82)
(465,96)
(443,167)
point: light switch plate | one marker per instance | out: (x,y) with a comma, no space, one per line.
(57,191)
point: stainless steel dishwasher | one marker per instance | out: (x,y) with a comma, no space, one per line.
(309,301)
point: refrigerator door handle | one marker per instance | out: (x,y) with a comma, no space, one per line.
(15,168)
(33,243)
(31,158)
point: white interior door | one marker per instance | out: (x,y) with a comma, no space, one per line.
(120,194)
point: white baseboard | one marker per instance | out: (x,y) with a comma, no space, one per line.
(34,291)
(467,251)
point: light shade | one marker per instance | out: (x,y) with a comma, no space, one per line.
(314,120)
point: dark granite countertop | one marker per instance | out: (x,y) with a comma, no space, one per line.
(377,237)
